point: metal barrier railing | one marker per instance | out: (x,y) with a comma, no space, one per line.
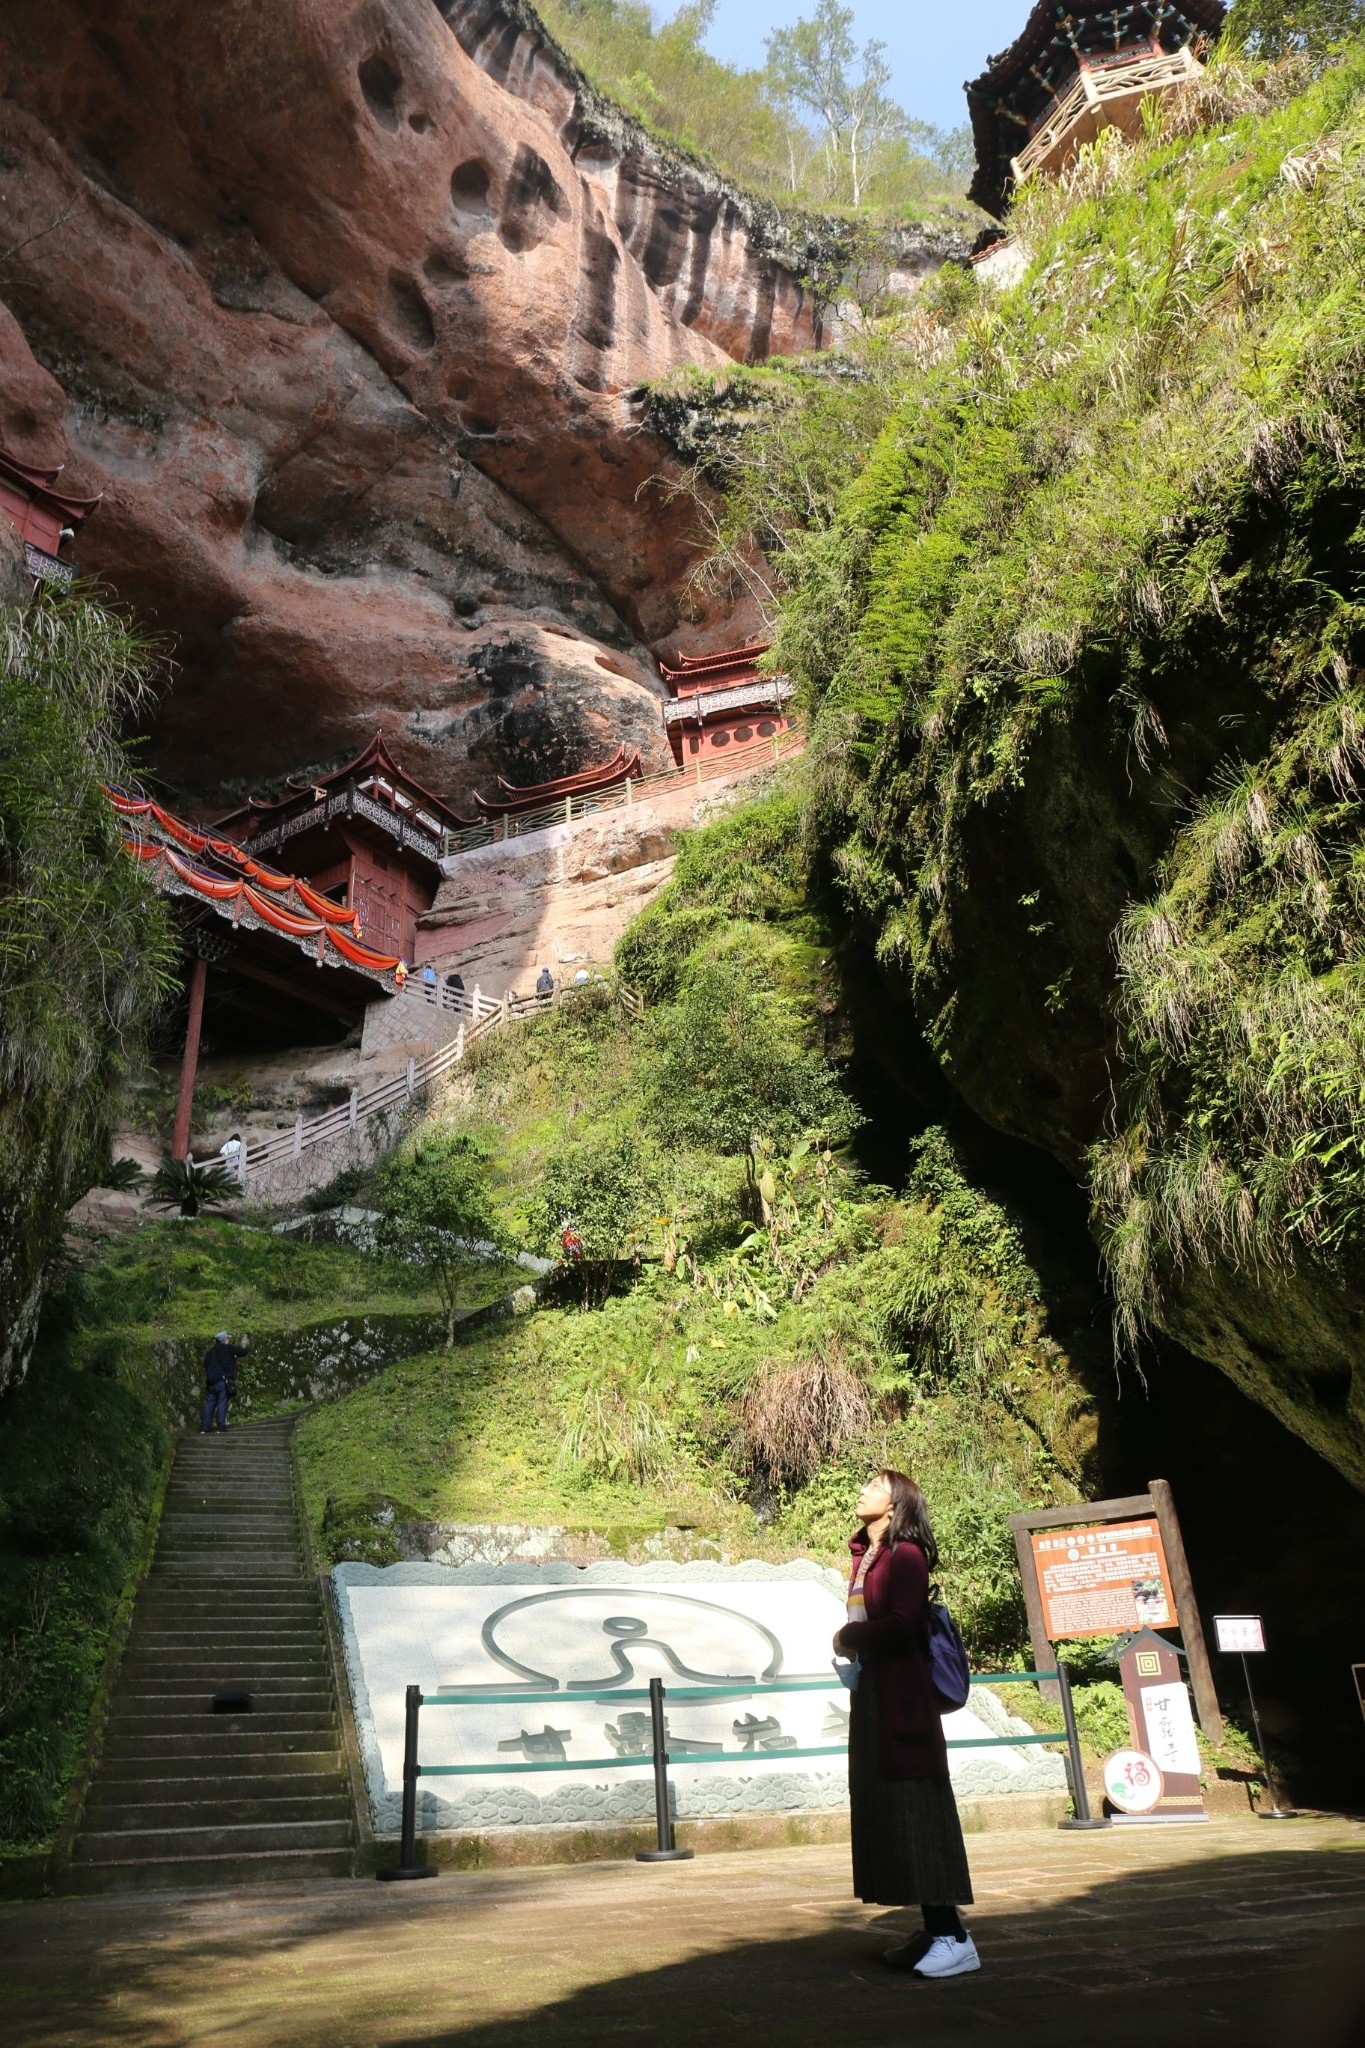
(658,1758)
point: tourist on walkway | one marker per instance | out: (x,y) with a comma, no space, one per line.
(545,982)
(907,1838)
(220,1380)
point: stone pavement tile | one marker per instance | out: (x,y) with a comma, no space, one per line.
(1103,1941)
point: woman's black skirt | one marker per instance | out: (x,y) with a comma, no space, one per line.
(907,1839)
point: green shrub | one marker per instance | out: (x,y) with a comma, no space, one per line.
(79,1458)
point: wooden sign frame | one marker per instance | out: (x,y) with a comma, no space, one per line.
(1157,1501)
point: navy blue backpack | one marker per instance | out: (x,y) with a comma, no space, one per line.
(948,1666)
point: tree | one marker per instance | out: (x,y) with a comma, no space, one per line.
(85,944)
(811,66)
(595,1207)
(1272,28)
(436,1211)
(730,1070)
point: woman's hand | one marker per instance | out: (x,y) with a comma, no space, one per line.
(839,1649)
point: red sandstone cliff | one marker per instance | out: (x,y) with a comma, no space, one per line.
(341,304)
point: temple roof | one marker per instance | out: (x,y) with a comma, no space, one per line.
(1018,87)
(223,877)
(374,761)
(622,767)
(706,671)
(41,484)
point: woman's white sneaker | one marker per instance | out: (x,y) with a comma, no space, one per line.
(946,1956)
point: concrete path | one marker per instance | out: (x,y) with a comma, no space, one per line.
(1165,1939)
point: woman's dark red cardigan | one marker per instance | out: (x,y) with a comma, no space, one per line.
(891,1644)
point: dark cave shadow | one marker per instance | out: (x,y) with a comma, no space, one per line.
(1262,1948)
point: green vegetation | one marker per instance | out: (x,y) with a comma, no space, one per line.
(85,951)
(434,1206)
(1067,576)
(319,1316)
(774,1324)
(169,1279)
(1272,28)
(79,1460)
(815,126)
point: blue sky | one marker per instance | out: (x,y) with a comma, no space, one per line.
(932,48)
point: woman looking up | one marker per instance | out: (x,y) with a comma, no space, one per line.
(907,1838)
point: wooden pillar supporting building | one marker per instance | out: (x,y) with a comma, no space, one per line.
(184,1108)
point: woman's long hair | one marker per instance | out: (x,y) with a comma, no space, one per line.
(910,1518)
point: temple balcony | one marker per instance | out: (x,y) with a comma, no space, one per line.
(1107,92)
(408,829)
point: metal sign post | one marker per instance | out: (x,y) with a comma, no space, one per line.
(665,1849)
(1241,1635)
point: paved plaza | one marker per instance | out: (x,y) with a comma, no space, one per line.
(1238,1932)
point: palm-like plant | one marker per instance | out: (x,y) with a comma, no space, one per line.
(190,1187)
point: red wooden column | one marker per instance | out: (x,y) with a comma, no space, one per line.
(184,1108)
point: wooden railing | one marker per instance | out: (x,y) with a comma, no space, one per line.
(483,1015)
(705,768)
(1092,91)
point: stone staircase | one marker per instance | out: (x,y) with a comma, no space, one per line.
(189,1795)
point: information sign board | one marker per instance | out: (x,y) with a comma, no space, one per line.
(1239,1633)
(1104,1578)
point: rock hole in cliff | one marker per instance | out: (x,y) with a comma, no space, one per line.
(532,204)
(469,188)
(443,268)
(419,123)
(474,423)
(409,314)
(381,85)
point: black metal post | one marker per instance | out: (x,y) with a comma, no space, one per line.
(1080,1797)
(407,1865)
(1275,1810)
(665,1852)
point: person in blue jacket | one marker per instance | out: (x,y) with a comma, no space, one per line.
(220,1380)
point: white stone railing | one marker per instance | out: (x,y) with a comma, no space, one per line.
(261,1163)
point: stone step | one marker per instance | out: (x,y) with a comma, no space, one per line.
(156,1775)
(190,1670)
(200,1724)
(275,1599)
(149,1641)
(220,1746)
(157,1705)
(234,1809)
(245,1838)
(187,1873)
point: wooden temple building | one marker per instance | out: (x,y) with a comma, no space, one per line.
(1078,67)
(46,517)
(368,835)
(259,941)
(721,700)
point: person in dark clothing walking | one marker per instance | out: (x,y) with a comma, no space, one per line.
(220,1380)
(907,1837)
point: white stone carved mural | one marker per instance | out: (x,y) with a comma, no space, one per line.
(591,1638)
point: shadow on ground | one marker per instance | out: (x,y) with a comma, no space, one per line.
(1260,1946)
